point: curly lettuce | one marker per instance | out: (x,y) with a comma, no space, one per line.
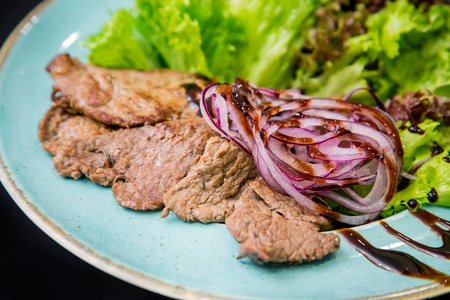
(405,48)
(275,30)
(118,46)
(427,158)
(220,39)
(192,36)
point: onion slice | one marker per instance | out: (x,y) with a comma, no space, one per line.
(305,146)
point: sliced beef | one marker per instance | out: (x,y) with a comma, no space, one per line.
(140,163)
(92,130)
(160,162)
(123,97)
(273,228)
(213,185)
(287,206)
(59,127)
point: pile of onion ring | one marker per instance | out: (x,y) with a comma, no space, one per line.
(309,147)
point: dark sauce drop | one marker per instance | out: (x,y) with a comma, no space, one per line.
(433,196)
(412,204)
(415,129)
(393,261)
(436,149)
(446,159)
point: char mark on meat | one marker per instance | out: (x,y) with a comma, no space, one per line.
(210,189)
(123,97)
(273,228)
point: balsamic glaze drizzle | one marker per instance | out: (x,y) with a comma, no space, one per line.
(392,260)
(432,222)
(403,263)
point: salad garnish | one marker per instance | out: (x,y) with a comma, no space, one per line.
(311,146)
(398,49)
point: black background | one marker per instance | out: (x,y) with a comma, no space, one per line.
(31,263)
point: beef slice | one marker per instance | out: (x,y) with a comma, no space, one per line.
(59,127)
(273,230)
(125,98)
(210,189)
(141,163)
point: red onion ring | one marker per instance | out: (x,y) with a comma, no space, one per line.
(304,145)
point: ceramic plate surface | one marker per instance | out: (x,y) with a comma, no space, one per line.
(169,256)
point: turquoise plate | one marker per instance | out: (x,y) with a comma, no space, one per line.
(168,256)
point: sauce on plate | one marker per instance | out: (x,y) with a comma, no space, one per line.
(404,263)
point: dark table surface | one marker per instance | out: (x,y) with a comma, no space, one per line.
(30,261)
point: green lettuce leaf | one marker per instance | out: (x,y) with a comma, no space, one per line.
(173,33)
(324,66)
(338,80)
(222,39)
(405,48)
(275,31)
(418,147)
(118,46)
(222,34)
(432,172)
(197,36)
(409,45)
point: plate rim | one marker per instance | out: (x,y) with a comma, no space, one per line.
(104,263)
